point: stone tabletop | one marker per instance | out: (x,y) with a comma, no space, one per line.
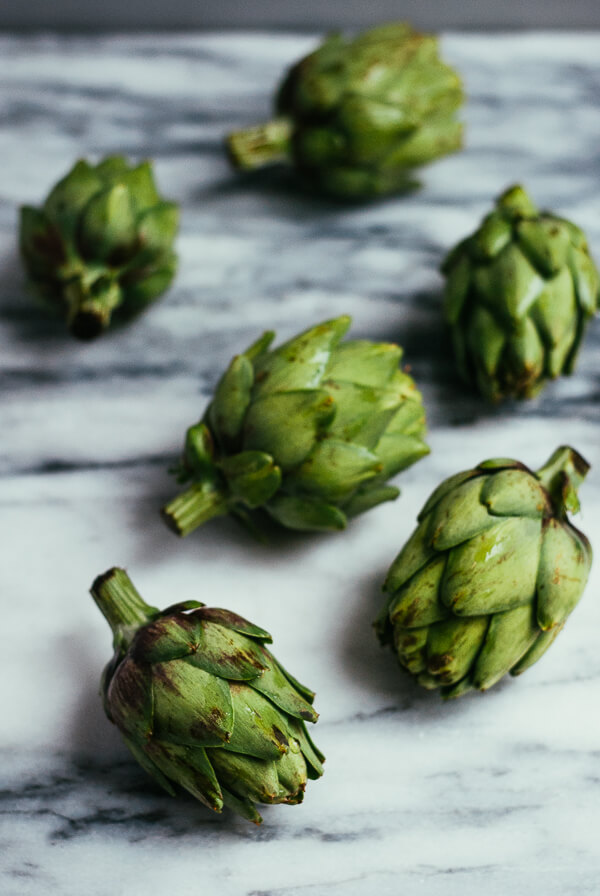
(494,793)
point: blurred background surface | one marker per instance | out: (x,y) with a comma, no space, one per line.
(93,15)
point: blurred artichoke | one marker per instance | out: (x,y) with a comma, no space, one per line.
(355,117)
(519,294)
(309,432)
(202,703)
(101,243)
(488,578)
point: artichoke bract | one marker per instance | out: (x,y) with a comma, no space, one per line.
(101,244)
(308,433)
(203,704)
(357,116)
(489,576)
(519,294)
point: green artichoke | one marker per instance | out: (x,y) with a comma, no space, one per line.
(355,117)
(519,294)
(308,433)
(102,243)
(202,703)
(489,576)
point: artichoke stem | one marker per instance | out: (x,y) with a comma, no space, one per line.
(121,604)
(90,308)
(264,144)
(561,476)
(194,507)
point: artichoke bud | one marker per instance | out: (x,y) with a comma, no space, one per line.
(307,434)
(356,116)
(519,294)
(101,244)
(203,704)
(490,575)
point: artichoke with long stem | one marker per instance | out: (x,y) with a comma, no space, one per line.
(202,703)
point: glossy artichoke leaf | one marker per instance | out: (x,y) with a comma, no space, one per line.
(369,496)
(306,514)
(362,413)
(260,729)
(495,570)
(364,363)
(198,451)
(561,358)
(227,654)
(585,279)
(111,168)
(565,563)
(509,285)
(448,485)
(437,136)
(248,777)
(234,622)
(417,603)
(130,699)
(300,363)
(458,272)
(509,637)
(272,683)
(537,649)
(165,639)
(409,418)
(333,470)
(372,127)
(252,477)
(260,346)
(546,243)
(232,397)
(191,706)
(286,424)
(515,493)
(107,225)
(190,768)
(414,555)
(313,756)
(452,646)
(459,515)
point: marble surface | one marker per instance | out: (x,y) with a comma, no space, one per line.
(497,792)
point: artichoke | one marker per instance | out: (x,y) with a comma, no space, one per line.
(101,243)
(519,294)
(308,433)
(355,117)
(489,576)
(203,704)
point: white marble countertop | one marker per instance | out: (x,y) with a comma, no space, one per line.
(493,793)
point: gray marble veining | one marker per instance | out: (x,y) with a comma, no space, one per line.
(497,792)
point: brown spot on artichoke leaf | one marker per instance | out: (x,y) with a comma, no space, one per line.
(436,664)
(280,736)
(160,674)
(211,726)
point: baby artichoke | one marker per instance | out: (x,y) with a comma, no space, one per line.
(309,433)
(519,294)
(201,703)
(355,117)
(489,576)
(102,243)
